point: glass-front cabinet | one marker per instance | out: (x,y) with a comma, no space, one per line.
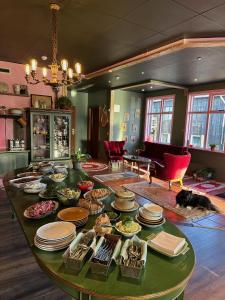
(50,135)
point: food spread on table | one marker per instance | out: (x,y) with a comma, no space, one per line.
(102,225)
(97,194)
(69,193)
(128,226)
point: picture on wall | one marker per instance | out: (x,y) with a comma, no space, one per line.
(133,138)
(134,127)
(123,126)
(125,138)
(41,101)
(137,113)
(126,117)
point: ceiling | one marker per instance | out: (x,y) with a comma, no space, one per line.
(101,32)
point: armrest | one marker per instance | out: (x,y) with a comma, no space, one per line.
(157,163)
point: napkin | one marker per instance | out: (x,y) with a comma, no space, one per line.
(167,243)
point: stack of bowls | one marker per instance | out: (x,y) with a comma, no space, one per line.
(151,215)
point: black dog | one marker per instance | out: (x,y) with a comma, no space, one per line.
(186,198)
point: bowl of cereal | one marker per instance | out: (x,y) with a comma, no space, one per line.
(128,227)
(68,196)
(57,177)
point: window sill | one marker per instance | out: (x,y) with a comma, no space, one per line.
(206,150)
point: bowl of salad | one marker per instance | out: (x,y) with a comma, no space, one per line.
(57,177)
(127,227)
(113,216)
(68,196)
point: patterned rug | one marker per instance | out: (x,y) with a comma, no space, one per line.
(164,198)
(115,176)
(209,186)
(93,166)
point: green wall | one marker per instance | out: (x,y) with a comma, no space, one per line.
(100,98)
(80,101)
(131,105)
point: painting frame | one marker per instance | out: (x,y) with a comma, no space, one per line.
(41,101)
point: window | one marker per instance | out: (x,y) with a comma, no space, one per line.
(206,120)
(159,117)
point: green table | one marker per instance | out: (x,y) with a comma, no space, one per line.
(163,278)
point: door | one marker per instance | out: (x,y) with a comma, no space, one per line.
(93,131)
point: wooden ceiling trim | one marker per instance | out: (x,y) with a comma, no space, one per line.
(159,51)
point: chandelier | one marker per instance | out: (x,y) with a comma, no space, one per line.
(63,76)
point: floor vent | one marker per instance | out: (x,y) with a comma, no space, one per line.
(4,70)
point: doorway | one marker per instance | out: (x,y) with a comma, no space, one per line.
(93,131)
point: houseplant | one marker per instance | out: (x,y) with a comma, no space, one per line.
(212,147)
(63,103)
(79,157)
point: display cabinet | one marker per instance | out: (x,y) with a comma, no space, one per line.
(50,134)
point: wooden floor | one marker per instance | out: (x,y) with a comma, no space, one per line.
(21,277)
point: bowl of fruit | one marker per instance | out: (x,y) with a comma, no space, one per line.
(85,185)
(68,196)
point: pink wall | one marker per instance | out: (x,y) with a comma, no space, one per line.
(16,76)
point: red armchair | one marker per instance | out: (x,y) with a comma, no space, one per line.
(173,167)
(114,150)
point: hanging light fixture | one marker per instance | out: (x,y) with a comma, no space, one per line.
(63,76)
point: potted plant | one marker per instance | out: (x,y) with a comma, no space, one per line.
(63,103)
(79,157)
(212,147)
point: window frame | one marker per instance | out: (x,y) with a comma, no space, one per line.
(211,94)
(161,113)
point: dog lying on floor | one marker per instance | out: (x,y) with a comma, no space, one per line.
(190,200)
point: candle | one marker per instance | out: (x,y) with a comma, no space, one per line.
(44,72)
(33,65)
(64,65)
(70,73)
(78,68)
(27,69)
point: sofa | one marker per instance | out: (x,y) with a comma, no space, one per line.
(169,162)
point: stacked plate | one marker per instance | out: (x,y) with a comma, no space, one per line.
(151,215)
(76,215)
(55,236)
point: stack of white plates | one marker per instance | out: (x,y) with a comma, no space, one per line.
(151,215)
(55,236)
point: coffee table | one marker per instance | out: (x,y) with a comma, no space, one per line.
(139,160)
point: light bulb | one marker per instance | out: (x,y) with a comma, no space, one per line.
(44,72)
(33,64)
(27,69)
(78,68)
(64,65)
(70,73)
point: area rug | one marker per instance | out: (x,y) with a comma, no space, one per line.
(208,186)
(93,166)
(115,176)
(221,195)
(164,198)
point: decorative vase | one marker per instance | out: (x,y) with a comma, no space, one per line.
(76,165)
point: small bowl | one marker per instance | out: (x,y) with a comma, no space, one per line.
(54,178)
(114,219)
(85,187)
(126,234)
(66,200)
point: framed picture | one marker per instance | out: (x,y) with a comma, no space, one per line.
(123,126)
(134,127)
(133,138)
(126,116)
(20,89)
(41,101)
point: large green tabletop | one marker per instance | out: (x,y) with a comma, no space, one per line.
(164,278)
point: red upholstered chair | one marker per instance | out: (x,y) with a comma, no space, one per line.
(114,150)
(173,167)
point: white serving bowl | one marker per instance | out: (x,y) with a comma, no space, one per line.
(57,179)
(126,234)
(152,210)
(147,216)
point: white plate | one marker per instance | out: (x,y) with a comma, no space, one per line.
(150,218)
(136,206)
(150,225)
(182,251)
(54,248)
(56,230)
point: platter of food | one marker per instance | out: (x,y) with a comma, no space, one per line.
(20,182)
(97,194)
(41,209)
(34,187)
